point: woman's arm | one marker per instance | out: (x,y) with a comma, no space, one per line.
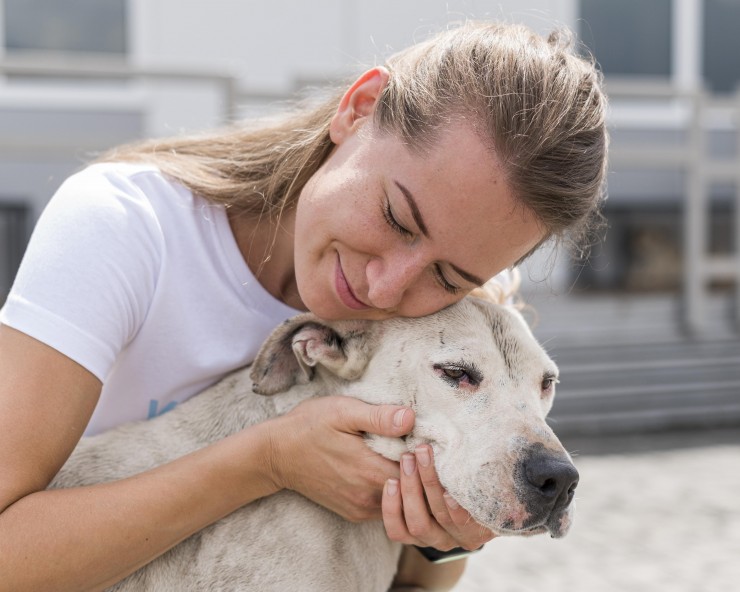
(88,538)
(414,571)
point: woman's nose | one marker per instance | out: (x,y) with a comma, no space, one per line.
(388,281)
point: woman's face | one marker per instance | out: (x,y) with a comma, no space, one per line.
(382,231)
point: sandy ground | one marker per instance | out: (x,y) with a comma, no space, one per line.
(665,521)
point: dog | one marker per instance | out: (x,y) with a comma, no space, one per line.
(480,385)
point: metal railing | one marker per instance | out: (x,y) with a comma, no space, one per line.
(94,67)
(701,169)
(84,67)
(15,220)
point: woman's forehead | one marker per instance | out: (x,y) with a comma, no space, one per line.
(463,195)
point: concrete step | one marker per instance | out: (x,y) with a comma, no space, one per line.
(656,389)
(639,373)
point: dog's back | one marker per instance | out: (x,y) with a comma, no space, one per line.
(278,543)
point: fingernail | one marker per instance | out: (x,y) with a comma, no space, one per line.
(398,417)
(450,501)
(392,487)
(422,455)
(409,464)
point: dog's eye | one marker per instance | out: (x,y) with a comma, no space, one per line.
(548,384)
(458,375)
(454,373)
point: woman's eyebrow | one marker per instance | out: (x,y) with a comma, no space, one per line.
(416,214)
(414,209)
(474,279)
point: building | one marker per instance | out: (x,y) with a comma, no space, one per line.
(79,76)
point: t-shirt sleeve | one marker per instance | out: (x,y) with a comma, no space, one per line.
(88,275)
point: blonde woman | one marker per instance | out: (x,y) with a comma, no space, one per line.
(162,267)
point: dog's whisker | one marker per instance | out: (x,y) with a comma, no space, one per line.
(546,341)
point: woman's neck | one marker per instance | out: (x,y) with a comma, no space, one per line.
(267,247)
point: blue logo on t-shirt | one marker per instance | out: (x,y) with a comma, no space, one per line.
(154,410)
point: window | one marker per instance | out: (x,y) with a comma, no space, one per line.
(721,45)
(629,37)
(97,26)
(14,223)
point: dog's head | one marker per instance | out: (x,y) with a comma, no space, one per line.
(480,385)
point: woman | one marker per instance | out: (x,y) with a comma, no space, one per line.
(162,267)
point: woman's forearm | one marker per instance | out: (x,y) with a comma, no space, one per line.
(415,571)
(88,538)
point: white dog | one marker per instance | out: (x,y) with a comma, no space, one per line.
(480,385)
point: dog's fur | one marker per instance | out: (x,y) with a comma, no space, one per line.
(486,427)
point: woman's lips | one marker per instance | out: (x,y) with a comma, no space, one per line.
(344,291)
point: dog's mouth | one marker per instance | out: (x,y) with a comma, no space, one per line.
(557,524)
(528,531)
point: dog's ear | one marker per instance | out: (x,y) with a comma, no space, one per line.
(295,348)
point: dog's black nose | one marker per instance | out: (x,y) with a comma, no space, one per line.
(551,480)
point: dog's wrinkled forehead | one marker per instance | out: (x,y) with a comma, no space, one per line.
(512,338)
(476,327)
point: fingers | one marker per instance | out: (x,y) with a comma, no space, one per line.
(437,498)
(320,452)
(384,420)
(405,513)
(426,527)
(417,510)
(455,519)
(392,507)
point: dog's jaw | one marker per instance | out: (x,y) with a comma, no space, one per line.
(390,448)
(504,517)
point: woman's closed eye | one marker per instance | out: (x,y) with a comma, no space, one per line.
(393,222)
(442,280)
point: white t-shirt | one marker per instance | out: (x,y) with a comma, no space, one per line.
(143,284)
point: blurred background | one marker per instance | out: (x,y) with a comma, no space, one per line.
(646,331)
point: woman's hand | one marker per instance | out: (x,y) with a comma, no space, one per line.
(418,511)
(318,450)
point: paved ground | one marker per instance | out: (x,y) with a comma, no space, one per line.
(659,521)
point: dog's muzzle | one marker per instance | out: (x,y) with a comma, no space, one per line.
(546,482)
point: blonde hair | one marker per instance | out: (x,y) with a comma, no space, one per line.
(534,100)
(502,288)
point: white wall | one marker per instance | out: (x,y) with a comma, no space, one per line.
(277,46)
(270,45)
(266,44)
(274,46)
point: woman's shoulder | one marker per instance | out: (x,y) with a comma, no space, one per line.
(119,189)
(118,175)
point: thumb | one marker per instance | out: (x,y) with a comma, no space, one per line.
(383,420)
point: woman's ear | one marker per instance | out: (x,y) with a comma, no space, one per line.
(358,103)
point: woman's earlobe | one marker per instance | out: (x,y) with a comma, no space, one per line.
(338,128)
